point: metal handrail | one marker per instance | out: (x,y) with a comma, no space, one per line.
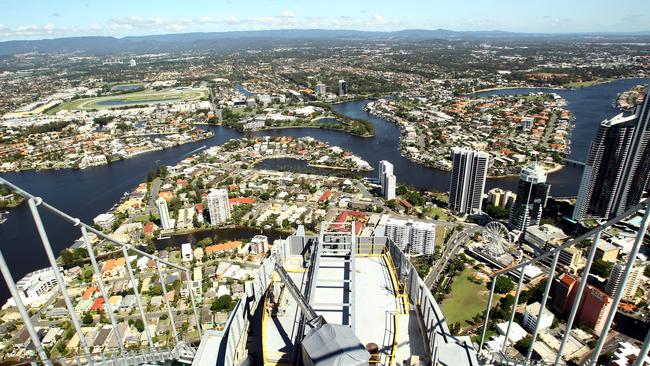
(569,243)
(76,222)
(595,236)
(34,202)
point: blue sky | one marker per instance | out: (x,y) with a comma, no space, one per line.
(33,19)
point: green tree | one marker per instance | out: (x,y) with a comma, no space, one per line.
(221,303)
(503,285)
(139,325)
(523,344)
(87,319)
(601,268)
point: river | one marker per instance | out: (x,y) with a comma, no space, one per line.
(86,193)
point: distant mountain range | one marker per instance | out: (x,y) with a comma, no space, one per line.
(216,40)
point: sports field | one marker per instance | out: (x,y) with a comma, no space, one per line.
(136,98)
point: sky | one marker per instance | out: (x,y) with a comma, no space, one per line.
(36,19)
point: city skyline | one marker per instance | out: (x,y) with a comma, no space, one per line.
(296,196)
(119,19)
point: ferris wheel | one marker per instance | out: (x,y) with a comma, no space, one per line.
(496,238)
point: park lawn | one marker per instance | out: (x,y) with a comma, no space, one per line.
(465,300)
(584,84)
(145,218)
(440,235)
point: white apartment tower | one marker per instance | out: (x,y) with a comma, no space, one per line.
(343,88)
(413,237)
(387,179)
(468,174)
(389,186)
(633,282)
(165,221)
(218,206)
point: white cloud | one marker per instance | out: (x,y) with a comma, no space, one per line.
(136,25)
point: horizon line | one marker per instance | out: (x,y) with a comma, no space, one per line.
(579,33)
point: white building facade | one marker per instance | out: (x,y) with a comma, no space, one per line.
(218,206)
(413,237)
(165,221)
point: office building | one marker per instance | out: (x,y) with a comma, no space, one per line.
(321,89)
(469,170)
(531,314)
(618,166)
(411,236)
(343,88)
(566,289)
(633,282)
(543,236)
(606,251)
(165,221)
(594,308)
(501,198)
(218,206)
(532,193)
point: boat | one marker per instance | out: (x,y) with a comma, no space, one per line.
(3,216)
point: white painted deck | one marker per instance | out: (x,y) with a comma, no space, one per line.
(376,308)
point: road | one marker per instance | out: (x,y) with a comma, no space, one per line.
(155,188)
(366,194)
(455,243)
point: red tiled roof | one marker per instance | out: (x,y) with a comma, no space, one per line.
(98,304)
(325,196)
(241,200)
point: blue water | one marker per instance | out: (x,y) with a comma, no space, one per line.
(127,87)
(86,193)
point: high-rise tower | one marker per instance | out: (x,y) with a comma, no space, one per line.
(618,166)
(531,198)
(218,206)
(467,180)
(165,221)
(387,179)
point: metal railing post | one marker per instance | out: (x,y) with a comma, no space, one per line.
(487,312)
(27,321)
(136,292)
(619,293)
(57,274)
(514,308)
(191,293)
(576,301)
(102,288)
(162,279)
(542,306)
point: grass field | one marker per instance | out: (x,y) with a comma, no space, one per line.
(440,235)
(584,84)
(465,300)
(136,98)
